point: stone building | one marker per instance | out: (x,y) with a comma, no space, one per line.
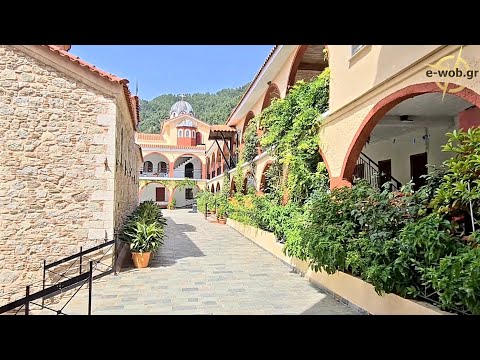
(68,169)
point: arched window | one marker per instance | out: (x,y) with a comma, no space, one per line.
(187,133)
(147,166)
(180,133)
(189,171)
(162,167)
(193,134)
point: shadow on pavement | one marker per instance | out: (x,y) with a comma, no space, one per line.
(177,245)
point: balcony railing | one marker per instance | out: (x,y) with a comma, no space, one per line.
(153,174)
(190,174)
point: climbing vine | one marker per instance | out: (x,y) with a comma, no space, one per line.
(291,134)
(238,175)
(251,141)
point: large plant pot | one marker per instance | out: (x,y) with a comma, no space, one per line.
(141,260)
(222,221)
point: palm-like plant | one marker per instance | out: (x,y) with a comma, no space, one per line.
(144,237)
(144,228)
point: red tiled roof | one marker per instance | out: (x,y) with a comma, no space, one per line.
(165,146)
(144,136)
(253,81)
(133,105)
(224,128)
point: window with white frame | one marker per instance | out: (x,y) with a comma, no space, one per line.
(356,48)
(187,133)
(180,133)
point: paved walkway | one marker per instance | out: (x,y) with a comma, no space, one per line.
(207,268)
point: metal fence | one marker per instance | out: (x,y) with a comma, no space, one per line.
(72,276)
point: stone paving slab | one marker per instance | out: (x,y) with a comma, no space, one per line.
(207,268)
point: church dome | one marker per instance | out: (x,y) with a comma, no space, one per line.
(179,108)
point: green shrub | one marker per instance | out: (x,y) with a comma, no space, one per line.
(144,228)
(463,171)
(203,198)
(457,281)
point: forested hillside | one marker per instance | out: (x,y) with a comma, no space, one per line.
(211,108)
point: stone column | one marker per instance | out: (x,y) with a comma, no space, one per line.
(171,169)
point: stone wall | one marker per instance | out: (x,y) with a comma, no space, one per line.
(127,165)
(56,192)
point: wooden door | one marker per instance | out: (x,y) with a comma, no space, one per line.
(418,168)
(384,171)
(160,194)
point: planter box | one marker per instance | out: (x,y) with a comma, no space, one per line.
(352,289)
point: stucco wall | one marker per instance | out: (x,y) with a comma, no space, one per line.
(368,68)
(404,146)
(149,193)
(56,193)
(339,129)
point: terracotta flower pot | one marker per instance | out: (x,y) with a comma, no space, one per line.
(222,221)
(141,260)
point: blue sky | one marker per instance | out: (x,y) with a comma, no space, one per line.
(175,69)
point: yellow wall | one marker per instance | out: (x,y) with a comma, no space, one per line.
(342,124)
(368,68)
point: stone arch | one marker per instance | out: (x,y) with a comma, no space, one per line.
(378,112)
(273,92)
(218,187)
(212,189)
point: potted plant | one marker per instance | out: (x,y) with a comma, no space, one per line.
(144,232)
(144,239)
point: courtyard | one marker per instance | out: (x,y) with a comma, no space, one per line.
(207,268)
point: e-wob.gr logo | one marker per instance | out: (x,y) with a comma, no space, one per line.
(452,66)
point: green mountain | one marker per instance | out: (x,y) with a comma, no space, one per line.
(211,108)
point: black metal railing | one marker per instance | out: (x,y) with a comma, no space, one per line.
(368,170)
(65,281)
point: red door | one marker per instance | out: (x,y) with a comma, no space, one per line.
(198,138)
(418,167)
(160,194)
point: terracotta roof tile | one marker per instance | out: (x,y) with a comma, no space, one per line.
(224,128)
(144,136)
(165,146)
(133,105)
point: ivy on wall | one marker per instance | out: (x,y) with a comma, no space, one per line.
(251,141)
(291,135)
